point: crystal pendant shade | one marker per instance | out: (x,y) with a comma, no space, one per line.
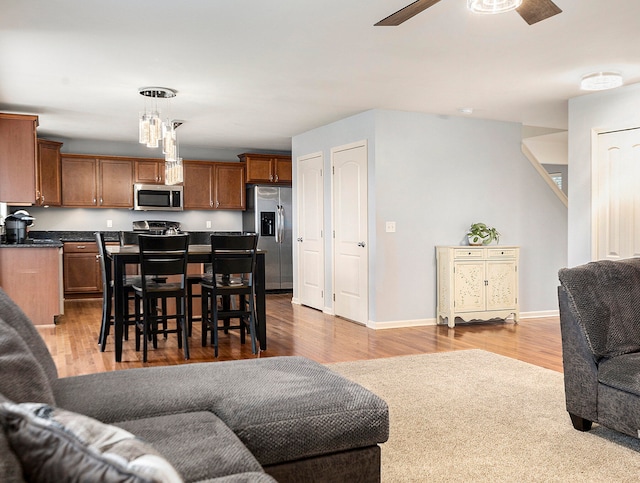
(492,6)
(153,132)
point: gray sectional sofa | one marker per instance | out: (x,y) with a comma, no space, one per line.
(258,420)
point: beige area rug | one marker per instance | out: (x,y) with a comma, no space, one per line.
(477,416)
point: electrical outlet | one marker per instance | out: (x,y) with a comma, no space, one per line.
(390,227)
(109,223)
(208,224)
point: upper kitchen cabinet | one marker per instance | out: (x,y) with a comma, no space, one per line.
(214,186)
(267,168)
(96,182)
(18,159)
(149,171)
(48,173)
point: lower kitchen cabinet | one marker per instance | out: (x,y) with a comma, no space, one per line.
(477,283)
(82,277)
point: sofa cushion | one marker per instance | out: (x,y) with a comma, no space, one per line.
(621,373)
(605,296)
(273,404)
(16,318)
(56,445)
(198,444)
(22,379)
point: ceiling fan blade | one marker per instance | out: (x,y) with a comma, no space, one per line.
(534,11)
(406,13)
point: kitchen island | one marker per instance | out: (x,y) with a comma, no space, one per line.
(31,274)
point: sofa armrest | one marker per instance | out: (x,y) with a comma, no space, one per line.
(579,363)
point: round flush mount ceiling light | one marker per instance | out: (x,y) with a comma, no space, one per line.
(492,6)
(600,81)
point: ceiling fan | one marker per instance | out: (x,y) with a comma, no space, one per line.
(532,11)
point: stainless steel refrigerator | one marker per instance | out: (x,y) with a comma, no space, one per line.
(269,214)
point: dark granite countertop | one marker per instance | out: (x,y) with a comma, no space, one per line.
(57,238)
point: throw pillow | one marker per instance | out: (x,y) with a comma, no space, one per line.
(55,445)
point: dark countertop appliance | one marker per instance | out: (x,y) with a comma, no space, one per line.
(16,226)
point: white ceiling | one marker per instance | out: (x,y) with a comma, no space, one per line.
(250,74)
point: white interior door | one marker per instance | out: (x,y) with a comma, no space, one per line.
(350,247)
(310,225)
(617,195)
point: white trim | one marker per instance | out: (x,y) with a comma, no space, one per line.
(398,324)
(328,311)
(295,301)
(545,175)
(539,314)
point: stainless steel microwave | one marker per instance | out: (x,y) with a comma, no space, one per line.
(147,197)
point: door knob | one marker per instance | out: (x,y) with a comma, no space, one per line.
(361,244)
(300,239)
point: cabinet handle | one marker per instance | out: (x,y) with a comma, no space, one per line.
(81,247)
(270,177)
(210,204)
(217,204)
(276,178)
(94,201)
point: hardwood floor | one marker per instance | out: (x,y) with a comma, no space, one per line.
(297,330)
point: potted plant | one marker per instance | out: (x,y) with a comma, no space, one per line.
(481,234)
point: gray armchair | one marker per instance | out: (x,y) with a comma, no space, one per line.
(600,325)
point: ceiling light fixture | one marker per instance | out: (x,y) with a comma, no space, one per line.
(492,6)
(600,81)
(152,130)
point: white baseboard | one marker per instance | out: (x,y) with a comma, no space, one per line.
(295,301)
(398,324)
(539,314)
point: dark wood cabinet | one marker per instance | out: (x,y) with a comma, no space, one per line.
(267,168)
(96,182)
(48,174)
(79,182)
(82,277)
(198,185)
(229,186)
(214,186)
(18,159)
(149,171)
(115,183)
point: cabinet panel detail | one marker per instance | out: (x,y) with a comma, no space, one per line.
(477,283)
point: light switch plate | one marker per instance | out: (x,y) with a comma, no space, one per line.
(109,223)
(208,224)
(390,227)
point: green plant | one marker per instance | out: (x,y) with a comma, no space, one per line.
(481,234)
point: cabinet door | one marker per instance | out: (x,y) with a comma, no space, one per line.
(198,192)
(79,182)
(151,172)
(469,286)
(501,284)
(81,268)
(116,183)
(230,192)
(282,169)
(259,169)
(18,159)
(48,187)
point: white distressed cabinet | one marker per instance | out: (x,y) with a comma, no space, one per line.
(477,283)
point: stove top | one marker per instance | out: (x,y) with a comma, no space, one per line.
(155,226)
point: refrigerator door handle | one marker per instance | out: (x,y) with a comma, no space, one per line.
(280,225)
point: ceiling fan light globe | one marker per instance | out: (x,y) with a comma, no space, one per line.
(492,6)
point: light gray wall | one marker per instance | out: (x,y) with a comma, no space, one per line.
(434,176)
(607,110)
